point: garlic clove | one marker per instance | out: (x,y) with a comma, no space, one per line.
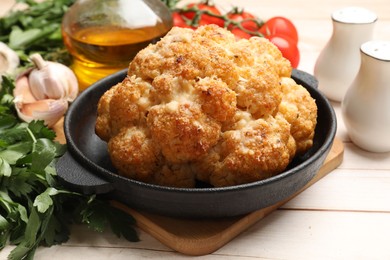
(9,60)
(72,89)
(44,84)
(52,80)
(67,81)
(43,79)
(48,110)
(22,90)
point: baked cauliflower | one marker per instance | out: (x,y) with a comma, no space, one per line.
(201,106)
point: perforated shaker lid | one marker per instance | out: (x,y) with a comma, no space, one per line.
(354,15)
(377,49)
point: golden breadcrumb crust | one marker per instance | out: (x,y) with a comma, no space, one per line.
(199,105)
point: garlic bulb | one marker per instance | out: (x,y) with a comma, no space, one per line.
(43,93)
(9,60)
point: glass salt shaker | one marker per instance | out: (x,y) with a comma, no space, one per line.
(338,63)
(104,35)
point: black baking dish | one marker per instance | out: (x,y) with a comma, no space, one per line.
(86,166)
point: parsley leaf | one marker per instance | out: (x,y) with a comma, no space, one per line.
(39,129)
(5,168)
(97,214)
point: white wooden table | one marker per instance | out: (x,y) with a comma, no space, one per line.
(346,215)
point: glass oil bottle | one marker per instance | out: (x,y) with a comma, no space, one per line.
(103,36)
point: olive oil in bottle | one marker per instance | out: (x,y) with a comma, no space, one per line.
(103,36)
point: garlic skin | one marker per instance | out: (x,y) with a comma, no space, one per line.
(44,92)
(48,110)
(22,92)
(9,60)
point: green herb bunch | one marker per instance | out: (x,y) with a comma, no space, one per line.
(36,29)
(34,209)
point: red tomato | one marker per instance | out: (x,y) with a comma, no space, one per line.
(288,48)
(205,18)
(247,20)
(179,21)
(280,26)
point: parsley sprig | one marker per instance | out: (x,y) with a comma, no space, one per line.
(34,208)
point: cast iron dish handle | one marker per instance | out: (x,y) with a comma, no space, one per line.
(80,179)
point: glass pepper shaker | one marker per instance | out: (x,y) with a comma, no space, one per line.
(104,35)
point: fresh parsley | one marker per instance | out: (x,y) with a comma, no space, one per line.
(34,208)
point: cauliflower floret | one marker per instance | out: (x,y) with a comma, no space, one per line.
(260,66)
(254,151)
(188,55)
(199,105)
(182,131)
(136,156)
(300,110)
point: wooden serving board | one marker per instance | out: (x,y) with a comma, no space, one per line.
(201,237)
